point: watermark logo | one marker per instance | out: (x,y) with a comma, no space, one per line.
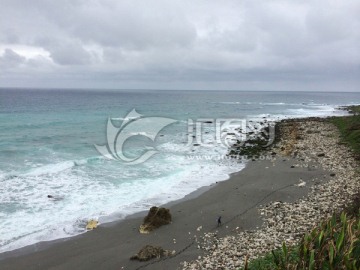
(226,131)
(231,133)
(133,124)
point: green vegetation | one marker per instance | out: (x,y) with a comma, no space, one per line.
(349,128)
(354,109)
(335,243)
(269,261)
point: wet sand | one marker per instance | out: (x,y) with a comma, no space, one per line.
(111,245)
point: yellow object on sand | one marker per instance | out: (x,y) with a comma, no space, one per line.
(144,229)
(92,224)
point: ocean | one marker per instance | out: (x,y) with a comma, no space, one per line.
(47,147)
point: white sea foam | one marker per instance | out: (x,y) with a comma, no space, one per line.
(2,175)
(257,103)
(315,110)
(85,197)
(51,168)
(123,118)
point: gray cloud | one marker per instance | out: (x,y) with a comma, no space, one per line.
(66,53)
(181,44)
(11,59)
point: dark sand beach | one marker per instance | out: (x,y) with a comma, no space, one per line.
(111,246)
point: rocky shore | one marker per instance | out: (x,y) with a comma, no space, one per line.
(310,143)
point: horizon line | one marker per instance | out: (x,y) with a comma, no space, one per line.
(154,89)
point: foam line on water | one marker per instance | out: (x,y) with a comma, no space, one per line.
(59,167)
(315,111)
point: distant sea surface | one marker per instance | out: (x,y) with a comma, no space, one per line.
(47,142)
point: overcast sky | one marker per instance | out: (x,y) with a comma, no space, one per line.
(181,44)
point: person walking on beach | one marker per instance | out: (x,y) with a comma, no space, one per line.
(219,221)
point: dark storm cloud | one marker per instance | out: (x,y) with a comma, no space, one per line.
(181,44)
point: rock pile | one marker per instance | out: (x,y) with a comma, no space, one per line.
(149,252)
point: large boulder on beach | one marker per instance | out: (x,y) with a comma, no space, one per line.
(149,252)
(156,217)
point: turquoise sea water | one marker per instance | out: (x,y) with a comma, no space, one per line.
(47,142)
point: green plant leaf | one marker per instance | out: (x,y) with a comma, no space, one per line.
(340,240)
(331,254)
(320,238)
(285,252)
(312,260)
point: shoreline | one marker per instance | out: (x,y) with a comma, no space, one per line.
(116,217)
(234,215)
(43,245)
(239,197)
(239,212)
